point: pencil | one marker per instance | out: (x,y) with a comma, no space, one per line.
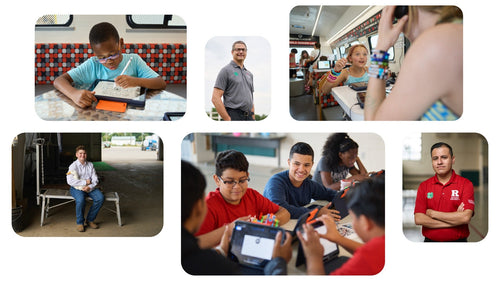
(126,66)
(124,69)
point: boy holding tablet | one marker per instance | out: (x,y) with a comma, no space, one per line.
(367,208)
(196,260)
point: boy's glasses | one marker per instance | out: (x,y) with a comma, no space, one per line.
(104,60)
(233,183)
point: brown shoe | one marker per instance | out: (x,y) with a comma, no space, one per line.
(80,228)
(91,224)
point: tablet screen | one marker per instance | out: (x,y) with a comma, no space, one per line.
(324,64)
(252,244)
(329,246)
(258,247)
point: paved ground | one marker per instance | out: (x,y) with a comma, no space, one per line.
(138,179)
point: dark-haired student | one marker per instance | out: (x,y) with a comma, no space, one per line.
(293,189)
(339,159)
(198,261)
(233,199)
(367,208)
(107,64)
(445,202)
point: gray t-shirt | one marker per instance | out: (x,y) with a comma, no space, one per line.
(237,84)
(338,173)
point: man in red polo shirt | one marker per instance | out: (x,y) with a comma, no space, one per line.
(445,202)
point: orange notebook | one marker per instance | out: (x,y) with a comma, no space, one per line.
(111,105)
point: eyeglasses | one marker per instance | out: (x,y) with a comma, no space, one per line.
(104,60)
(240,49)
(233,183)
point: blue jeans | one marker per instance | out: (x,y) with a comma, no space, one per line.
(97,201)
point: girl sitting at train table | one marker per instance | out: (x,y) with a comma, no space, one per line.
(357,72)
(430,83)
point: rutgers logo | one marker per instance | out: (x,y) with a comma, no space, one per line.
(454,195)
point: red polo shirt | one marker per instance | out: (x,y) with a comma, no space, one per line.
(221,213)
(434,195)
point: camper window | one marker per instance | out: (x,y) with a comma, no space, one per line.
(54,20)
(156,21)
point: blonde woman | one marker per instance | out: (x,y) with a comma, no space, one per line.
(430,83)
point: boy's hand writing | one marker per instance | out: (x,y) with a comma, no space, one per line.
(126,81)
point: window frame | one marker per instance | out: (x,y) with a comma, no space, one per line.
(165,25)
(391,50)
(67,24)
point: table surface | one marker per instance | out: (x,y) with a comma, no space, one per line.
(55,106)
(346,97)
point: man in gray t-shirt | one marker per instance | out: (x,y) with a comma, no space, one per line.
(235,84)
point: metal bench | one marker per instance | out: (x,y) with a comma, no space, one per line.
(65,195)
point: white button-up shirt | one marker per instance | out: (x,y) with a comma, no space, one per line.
(85,171)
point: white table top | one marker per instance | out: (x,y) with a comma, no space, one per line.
(346,97)
(53,105)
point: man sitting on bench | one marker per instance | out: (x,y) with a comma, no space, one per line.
(83,180)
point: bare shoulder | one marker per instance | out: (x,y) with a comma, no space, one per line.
(439,50)
(441,41)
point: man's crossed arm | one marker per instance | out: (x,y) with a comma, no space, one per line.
(437,219)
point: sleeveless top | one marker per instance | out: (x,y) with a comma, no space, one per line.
(352,79)
(439,112)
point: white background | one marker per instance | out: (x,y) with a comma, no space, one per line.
(158,257)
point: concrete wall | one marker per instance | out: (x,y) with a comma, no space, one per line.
(470,151)
(371,149)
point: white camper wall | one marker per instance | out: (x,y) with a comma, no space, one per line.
(78,32)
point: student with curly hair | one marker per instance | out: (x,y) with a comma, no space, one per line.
(339,159)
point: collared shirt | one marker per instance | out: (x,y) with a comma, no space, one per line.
(432,194)
(85,171)
(237,84)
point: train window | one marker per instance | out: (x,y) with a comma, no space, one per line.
(156,21)
(342,51)
(373,42)
(335,54)
(54,20)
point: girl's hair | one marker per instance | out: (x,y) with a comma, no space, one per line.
(304,52)
(335,144)
(351,50)
(446,14)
